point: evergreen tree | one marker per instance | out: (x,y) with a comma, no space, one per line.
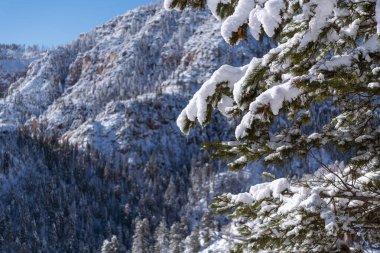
(141,237)
(192,242)
(6,163)
(208,228)
(161,244)
(328,52)
(171,198)
(110,246)
(176,238)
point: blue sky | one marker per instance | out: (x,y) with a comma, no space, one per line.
(55,22)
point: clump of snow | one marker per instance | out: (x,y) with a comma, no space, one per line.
(368,177)
(265,14)
(225,104)
(372,45)
(336,62)
(376,70)
(314,136)
(363,138)
(240,17)
(261,191)
(238,86)
(245,198)
(213,4)
(323,10)
(197,107)
(374,85)
(268,17)
(352,29)
(167,4)
(274,98)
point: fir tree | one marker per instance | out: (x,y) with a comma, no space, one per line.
(141,237)
(176,237)
(161,244)
(110,246)
(6,163)
(328,52)
(192,242)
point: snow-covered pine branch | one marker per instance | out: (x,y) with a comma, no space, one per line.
(328,52)
(325,49)
(317,214)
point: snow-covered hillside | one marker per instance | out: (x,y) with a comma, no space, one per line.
(80,91)
(117,90)
(14,62)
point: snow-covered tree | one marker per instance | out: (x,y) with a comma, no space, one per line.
(141,237)
(178,233)
(327,52)
(161,244)
(192,243)
(110,246)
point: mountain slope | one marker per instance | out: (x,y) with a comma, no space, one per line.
(117,91)
(14,62)
(145,51)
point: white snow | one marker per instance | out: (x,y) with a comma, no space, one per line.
(352,29)
(240,17)
(374,85)
(238,86)
(372,45)
(323,10)
(336,62)
(274,98)
(167,4)
(213,4)
(225,104)
(268,18)
(245,198)
(197,107)
(363,138)
(314,136)
(261,191)
(369,176)
(376,70)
